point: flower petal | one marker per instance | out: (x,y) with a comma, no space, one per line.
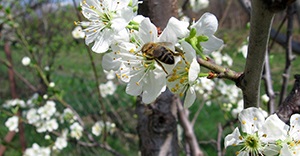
(175,29)
(251,120)
(212,44)
(194,71)
(156,83)
(147,31)
(273,129)
(190,97)
(295,127)
(233,139)
(206,25)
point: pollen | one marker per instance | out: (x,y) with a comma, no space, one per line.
(137,83)
(186,69)
(264,135)
(118,76)
(243,122)
(75,23)
(240,137)
(131,50)
(255,118)
(150,32)
(92,7)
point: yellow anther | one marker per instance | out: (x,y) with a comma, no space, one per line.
(243,122)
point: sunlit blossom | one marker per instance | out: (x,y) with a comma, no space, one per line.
(184,76)
(207,25)
(143,75)
(106,18)
(260,135)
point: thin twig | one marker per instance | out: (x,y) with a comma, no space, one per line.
(198,112)
(222,72)
(219,139)
(188,130)
(289,55)
(267,77)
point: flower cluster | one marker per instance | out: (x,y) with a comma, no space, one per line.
(148,60)
(268,136)
(45,117)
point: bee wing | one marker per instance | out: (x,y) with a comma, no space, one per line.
(168,44)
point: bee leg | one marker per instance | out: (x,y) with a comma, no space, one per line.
(161,66)
(181,54)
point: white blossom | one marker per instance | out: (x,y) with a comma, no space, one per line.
(184,76)
(198,5)
(244,50)
(60,143)
(77,33)
(106,18)
(76,130)
(51,84)
(26,61)
(143,75)
(12,123)
(36,150)
(207,25)
(32,116)
(14,102)
(107,88)
(47,110)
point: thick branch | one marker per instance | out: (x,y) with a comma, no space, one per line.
(261,21)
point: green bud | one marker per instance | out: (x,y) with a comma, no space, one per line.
(202,38)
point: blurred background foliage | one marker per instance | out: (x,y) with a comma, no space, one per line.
(43,31)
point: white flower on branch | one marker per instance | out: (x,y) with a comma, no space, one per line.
(107,88)
(36,150)
(26,61)
(144,75)
(47,110)
(12,123)
(106,18)
(76,130)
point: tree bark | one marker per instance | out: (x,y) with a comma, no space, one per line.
(291,104)
(261,21)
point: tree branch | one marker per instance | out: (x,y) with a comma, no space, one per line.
(188,130)
(261,21)
(288,55)
(220,70)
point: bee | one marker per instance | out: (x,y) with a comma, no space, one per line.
(160,53)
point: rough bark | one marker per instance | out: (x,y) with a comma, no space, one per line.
(291,104)
(157,126)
